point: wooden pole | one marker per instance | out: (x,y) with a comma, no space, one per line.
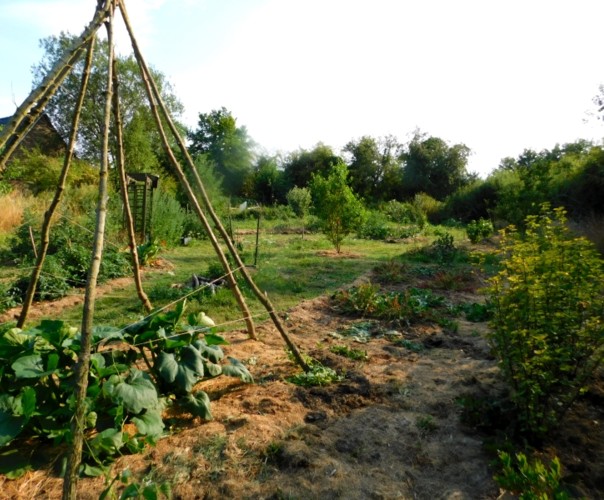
(45,233)
(83,364)
(124,191)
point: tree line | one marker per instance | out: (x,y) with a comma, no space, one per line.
(378,170)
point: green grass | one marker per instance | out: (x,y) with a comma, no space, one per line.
(289,269)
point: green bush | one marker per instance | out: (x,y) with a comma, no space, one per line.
(338,208)
(168,219)
(547,327)
(478,230)
(443,247)
(530,480)
(405,213)
(375,227)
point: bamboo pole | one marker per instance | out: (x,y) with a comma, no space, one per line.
(263,298)
(31,108)
(124,191)
(83,364)
(45,232)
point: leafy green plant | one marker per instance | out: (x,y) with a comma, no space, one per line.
(478,230)
(338,208)
(130,488)
(168,219)
(368,300)
(547,328)
(37,378)
(409,344)
(477,313)
(444,247)
(347,352)
(375,227)
(148,251)
(317,375)
(179,355)
(530,479)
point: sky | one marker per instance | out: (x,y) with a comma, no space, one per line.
(497,76)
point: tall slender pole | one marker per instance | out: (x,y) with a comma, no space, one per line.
(83,365)
(124,191)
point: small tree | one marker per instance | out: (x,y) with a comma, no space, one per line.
(337,207)
(547,331)
(300,200)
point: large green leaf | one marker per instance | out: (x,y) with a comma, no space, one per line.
(15,412)
(212,369)
(55,332)
(31,366)
(211,352)
(150,423)
(215,339)
(184,372)
(136,392)
(106,333)
(236,368)
(107,442)
(28,402)
(15,342)
(199,404)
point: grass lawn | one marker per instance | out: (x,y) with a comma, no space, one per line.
(288,268)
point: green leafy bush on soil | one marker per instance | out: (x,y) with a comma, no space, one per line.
(548,309)
(38,376)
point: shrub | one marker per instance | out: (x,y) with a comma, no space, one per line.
(547,327)
(168,219)
(530,479)
(405,213)
(375,227)
(478,230)
(443,247)
(339,210)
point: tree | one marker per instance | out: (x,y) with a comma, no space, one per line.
(267,181)
(301,165)
(337,207)
(140,136)
(300,200)
(225,144)
(433,167)
(374,166)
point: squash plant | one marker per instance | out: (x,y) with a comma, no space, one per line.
(37,373)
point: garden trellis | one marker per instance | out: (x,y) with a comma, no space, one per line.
(22,122)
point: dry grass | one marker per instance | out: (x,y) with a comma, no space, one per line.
(13,204)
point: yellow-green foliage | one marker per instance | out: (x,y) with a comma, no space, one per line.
(547,329)
(39,172)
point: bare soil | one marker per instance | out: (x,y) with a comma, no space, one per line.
(390,429)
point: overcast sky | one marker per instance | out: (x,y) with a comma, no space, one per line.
(499,76)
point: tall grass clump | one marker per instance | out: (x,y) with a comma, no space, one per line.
(548,323)
(13,204)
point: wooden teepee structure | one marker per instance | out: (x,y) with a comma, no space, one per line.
(23,120)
